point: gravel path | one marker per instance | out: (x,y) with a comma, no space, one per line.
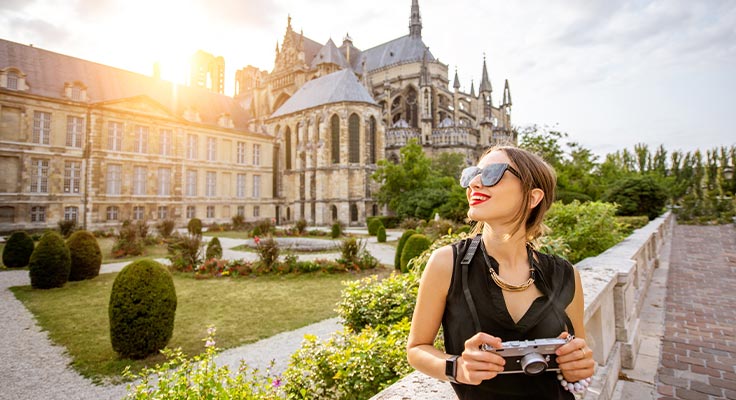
(33,368)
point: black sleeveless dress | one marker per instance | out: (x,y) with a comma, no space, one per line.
(555,279)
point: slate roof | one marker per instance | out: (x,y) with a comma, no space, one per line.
(311,47)
(400,50)
(336,87)
(47,72)
(329,54)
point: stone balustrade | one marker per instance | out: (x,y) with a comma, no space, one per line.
(615,284)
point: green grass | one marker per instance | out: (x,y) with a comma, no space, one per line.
(243,310)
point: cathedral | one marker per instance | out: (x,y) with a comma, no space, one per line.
(99,145)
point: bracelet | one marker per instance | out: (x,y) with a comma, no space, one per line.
(575,388)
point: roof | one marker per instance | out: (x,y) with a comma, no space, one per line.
(311,47)
(329,54)
(336,87)
(397,51)
(47,72)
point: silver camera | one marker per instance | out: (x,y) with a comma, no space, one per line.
(531,357)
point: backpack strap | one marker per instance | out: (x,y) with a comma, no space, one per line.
(469,253)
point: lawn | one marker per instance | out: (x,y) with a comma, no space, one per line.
(243,310)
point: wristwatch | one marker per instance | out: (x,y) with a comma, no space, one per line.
(451,369)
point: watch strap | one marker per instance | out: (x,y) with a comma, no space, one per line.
(451,368)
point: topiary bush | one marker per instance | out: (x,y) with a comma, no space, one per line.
(85,255)
(50,262)
(414,246)
(400,247)
(18,250)
(194,227)
(214,249)
(381,234)
(373,225)
(637,195)
(336,230)
(142,309)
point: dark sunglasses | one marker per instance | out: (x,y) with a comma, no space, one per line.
(490,175)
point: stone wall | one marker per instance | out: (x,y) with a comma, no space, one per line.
(615,284)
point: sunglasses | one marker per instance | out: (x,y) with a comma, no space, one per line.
(490,175)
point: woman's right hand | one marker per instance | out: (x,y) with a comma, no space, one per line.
(476,365)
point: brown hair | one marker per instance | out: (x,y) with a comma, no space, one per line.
(534,173)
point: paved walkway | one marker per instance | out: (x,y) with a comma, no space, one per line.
(698,359)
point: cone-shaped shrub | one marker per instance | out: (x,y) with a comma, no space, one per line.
(381,234)
(50,262)
(142,309)
(214,249)
(373,226)
(86,256)
(18,250)
(194,227)
(416,244)
(400,247)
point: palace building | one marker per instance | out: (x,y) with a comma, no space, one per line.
(97,144)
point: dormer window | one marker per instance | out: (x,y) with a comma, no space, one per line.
(225,121)
(12,79)
(75,91)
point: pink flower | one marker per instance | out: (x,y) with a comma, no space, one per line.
(276,382)
(257,240)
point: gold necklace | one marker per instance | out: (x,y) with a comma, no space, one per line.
(509,287)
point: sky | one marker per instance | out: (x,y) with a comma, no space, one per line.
(608,73)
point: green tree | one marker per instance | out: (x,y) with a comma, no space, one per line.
(638,195)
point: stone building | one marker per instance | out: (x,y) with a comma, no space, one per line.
(88,142)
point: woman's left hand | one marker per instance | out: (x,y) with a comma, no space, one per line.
(575,359)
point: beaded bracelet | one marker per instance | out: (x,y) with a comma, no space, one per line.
(576,388)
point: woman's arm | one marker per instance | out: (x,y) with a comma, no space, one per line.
(576,358)
(474,365)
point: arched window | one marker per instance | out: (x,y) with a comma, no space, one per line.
(354,139)
(288,213)
(287,139)
(353,212)
(411,107)
(334,213)
(372,140)
(335,124)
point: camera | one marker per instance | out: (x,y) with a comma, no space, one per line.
(531,357)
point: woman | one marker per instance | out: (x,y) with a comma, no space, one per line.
(504,291)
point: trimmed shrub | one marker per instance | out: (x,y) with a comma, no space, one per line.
(142,309)
(336,230)
(194,227)
(373,226)
(165,228)
(18,250)
(414,246)
(214,249)
(85,254)
(370,302)
(50,262)
(637,195)
(381,234)
(400,247)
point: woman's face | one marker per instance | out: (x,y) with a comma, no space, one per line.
(499,203)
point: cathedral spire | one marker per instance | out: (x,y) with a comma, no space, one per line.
(415,24)
(506,94)
(456,83)
(485,83)
(472,88)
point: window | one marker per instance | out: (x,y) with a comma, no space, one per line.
(354,139)
(191,212)
(256,154)
(191,183)
(112,213)
(256,186)
(211,184)
(76,93)
(12,81)
(353,213)
(114,176)
(7,214)
(210,211)
(241,152)
(41,127)
(38,214)
(74,131)
(39,175)
(164,181)
(335,124)
(191,147)
(372,140)
(165,142)
(72,176)
(163,212)
(70,213)
(240,186)
(141,139)
(256,211)
(139,181)
(115,136)
(211,149)
(288,147)
(139,213)
(241,211)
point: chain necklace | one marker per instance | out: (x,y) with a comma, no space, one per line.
(500,282)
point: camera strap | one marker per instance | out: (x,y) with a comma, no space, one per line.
(466,290)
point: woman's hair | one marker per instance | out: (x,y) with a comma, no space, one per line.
(534,173)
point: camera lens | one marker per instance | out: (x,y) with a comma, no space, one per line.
(533,364)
